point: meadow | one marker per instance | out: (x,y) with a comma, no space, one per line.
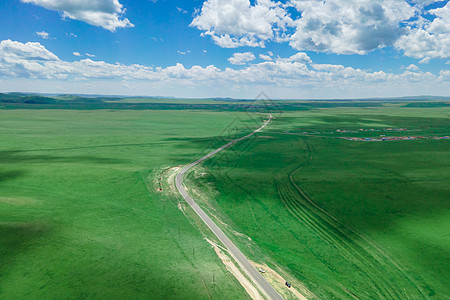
(79,214)
(348,219)
(81,217)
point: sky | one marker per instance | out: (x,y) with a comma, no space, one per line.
(293,49)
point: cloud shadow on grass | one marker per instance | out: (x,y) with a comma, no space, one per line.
(15,238)
(18,156)
(4,176)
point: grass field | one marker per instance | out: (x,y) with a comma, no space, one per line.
(348,219)
(80,216)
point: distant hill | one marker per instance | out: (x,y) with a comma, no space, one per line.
(25,99)
(71,101)
(140,99)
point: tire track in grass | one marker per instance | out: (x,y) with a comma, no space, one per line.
(302,215)
(352,253)
(385,277)
(364,242)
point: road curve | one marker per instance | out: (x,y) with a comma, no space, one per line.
(251,271)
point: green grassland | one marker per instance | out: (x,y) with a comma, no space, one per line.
(79,217)
(365,220)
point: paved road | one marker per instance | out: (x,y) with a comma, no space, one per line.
(251,271)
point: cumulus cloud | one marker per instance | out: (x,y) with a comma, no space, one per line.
(344,27)
(332,26)
(444,75)
(300,57)
(412,67)
(241,58)
(234,23)
(428,39)
(25,60)
(90,55)
(265,57)
(11,50)
(43,35)
(348,27)
(76,53)
(32,60)
(425,60)
(103,13)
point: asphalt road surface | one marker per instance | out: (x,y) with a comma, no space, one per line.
(251,271)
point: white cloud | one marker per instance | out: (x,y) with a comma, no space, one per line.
(348,27)
(183,52)
(444,75)
(428,39)
(26,60)
(76,53)
(43,35)
(295,73)
(90,55)
(71,35)
(234,23)
(425,60)
(241,58)
(29,51)
(344,27)
(422,3)
(300,57)
(181,10)
(332,26)
(412,67)
(104,13)
(265,57)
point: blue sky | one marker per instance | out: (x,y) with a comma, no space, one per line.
(226,48)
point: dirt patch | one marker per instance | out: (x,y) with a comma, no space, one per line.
(265,137)
(240,234)
(18,200)
(182,207)
(229,264)
(200,174)
(156,182)
(171,173)
(158,179)
(278,282)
